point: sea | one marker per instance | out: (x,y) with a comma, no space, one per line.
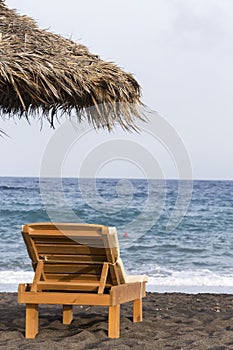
(191,251)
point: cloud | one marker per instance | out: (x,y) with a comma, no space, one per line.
(202,24)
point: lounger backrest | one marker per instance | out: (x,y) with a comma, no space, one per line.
(74,252)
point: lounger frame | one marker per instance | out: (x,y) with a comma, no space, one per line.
(82,281)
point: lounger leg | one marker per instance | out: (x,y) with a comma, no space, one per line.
(137,310)
(31,327)
(67,314)
(114,321)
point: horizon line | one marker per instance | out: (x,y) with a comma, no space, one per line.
(114,178)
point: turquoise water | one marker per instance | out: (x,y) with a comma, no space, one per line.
(197,255)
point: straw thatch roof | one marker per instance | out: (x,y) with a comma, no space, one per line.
(44,74)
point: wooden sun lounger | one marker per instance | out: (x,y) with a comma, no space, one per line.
(77,264)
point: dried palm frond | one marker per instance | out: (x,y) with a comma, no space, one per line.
(44,74)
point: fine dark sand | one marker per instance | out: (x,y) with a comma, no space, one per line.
(170,321)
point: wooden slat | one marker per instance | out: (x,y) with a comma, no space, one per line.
(95,242)
(64,232)
(61,298)
(53,240)
(58,226)
(69,268)
(69,286)
(38,273)
(77,288)
(75,259)
(78,285)
(68,249)
(71,277)
(111,259)
(32,251)
(103,278)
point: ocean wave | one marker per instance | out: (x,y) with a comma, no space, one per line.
(22,211)
(191,281)
(9,280)
(203,277)
(18,188)
(201,281)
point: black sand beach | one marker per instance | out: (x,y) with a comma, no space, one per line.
(173,321)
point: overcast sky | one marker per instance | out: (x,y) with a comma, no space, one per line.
(181,52)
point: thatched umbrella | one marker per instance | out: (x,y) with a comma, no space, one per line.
(46,75)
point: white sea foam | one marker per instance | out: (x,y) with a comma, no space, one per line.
(9,280)
(187,281)
(190,281)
